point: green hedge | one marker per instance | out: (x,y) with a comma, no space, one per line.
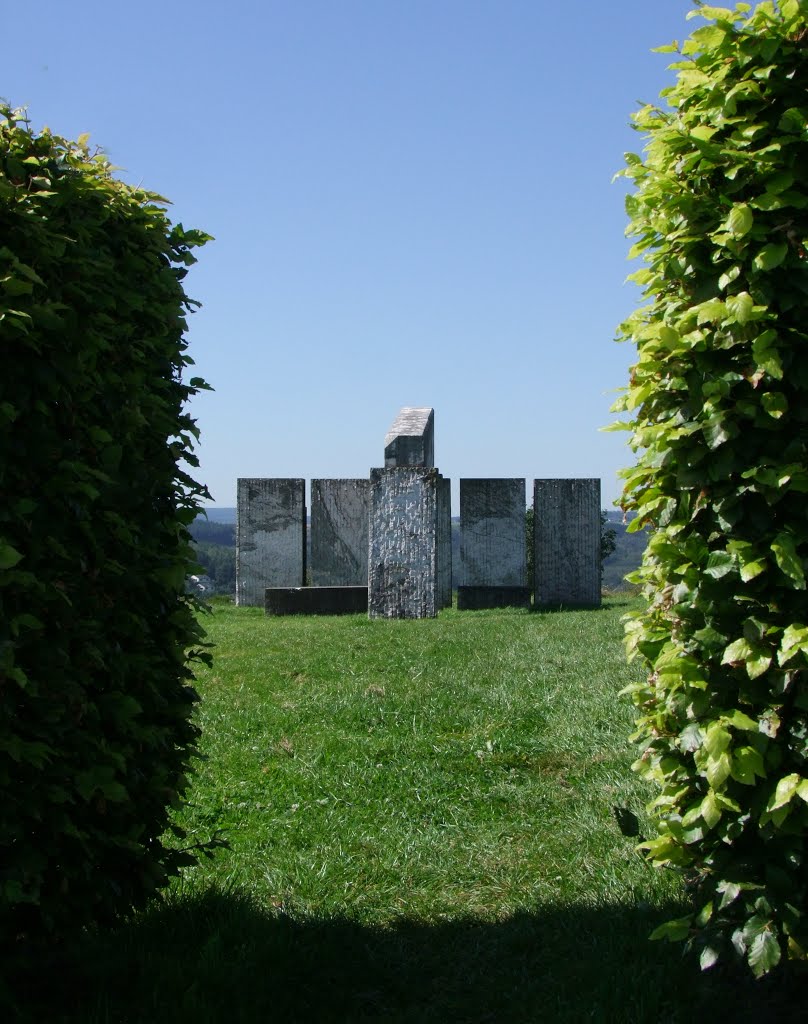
(719,400)
(97,638)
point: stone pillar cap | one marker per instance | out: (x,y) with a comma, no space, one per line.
(410,441)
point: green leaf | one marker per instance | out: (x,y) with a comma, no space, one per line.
(794,641)
(710,811)
(749,570)
(786,788)
(715,13)
(770,256)
(707,38)
(779,181)
(792,121)
(737,653)
(715,431)
(615,426)
(719,564)
(764,953)
(728,277)
(9,556)
(114,792)
(740,307)
(674,931)
(731,891)
(775,403)
(711,311)
(749,558)
(716,738)
(764,350)
(791,9)
(740,220)
(708,957)
(739,720)
(719,770)
(789,562)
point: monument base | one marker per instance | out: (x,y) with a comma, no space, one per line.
(475,598)
(316,600)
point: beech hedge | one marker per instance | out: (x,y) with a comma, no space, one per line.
(718,400)
(97,638)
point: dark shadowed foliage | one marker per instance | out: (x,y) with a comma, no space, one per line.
(97,637)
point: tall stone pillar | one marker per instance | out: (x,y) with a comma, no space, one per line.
(567,543)
(270,536)
(339,533)
(444,581)
(402,543)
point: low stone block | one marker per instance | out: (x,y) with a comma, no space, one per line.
(316,600)
(475,598)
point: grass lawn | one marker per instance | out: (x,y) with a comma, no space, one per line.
(421,827)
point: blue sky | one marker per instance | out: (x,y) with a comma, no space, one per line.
(412,202)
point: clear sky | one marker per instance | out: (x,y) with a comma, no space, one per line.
(412,202)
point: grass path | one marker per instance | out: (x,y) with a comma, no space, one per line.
(466,765)
(421,827)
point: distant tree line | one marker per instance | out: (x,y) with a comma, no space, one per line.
(215,550)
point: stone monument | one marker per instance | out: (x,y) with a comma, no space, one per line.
(403,555)
(566,522)
(493,544)
(339,533)
(385,544)
(407,561)
(444,580)
(270,536)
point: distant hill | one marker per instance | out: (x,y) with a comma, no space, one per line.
(627,554)
(219,514)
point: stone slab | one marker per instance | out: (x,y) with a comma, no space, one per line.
(270,536)
(476,598)
(402,543)
(567,543)
(444,581)
(410,441)
(493,539)
(339,533)
(316,600)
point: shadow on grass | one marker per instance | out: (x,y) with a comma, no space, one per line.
(220,957)
(568,609)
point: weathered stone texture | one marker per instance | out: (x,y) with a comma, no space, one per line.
(402,544)
(493,545)
(339,532)
(410,441)
(444,582)
(567,543)
(270,536)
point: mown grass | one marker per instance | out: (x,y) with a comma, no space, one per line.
(421,828)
